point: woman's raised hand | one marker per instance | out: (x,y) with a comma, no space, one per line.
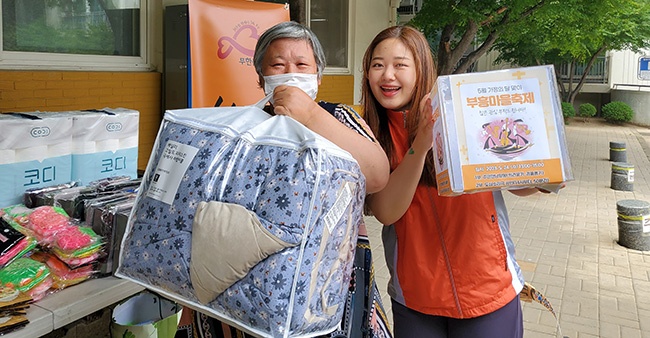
(424,138)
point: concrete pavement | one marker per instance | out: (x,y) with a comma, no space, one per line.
(567,242)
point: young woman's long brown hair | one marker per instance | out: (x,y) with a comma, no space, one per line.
(376,115)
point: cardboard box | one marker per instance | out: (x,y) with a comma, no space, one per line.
(501,129)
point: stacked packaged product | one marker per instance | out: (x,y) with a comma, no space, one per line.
(66,250)
(62,274)
(100,206)
(13,309)
(44,149)
(13,243)
(74,244)
(34,152)
(27,276)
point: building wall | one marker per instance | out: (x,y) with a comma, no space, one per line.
(31,90)
(367,18)
(624,66)
(627,87)
(639,101)
(597,99)
(337,89)
(25,91)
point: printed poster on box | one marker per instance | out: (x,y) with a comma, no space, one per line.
(499,130)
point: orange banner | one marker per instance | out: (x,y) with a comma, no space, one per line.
(223,34)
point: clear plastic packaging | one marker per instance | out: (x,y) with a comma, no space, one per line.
(264,198)
(28,276)
(62,275)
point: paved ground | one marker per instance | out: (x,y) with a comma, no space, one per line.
(567,243)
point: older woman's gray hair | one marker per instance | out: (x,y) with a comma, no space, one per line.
(291,30)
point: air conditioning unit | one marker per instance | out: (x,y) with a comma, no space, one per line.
(409,7)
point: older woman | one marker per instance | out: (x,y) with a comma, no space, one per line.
(290,61)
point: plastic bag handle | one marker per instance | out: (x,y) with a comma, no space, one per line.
(261,103)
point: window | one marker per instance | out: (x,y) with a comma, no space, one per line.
(73,34)
(328,19)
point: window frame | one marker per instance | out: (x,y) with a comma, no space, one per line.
(12,60)
(329,70)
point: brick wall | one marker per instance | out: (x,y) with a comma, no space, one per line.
(24,91)
(337,89)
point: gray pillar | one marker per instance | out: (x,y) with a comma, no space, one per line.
(622,176)
(633,224)
(617,152)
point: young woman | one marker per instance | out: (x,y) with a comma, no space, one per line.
(451,259)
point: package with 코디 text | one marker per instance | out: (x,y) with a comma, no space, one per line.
(35,152)
(500,129)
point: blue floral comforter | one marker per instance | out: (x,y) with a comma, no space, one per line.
(301,190)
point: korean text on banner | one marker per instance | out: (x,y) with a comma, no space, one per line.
(223,34)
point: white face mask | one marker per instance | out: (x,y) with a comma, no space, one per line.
(307,82)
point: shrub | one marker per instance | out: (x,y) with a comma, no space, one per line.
(587,110)
(617,112)
(568,110)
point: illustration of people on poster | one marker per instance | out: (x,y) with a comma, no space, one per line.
(504,121)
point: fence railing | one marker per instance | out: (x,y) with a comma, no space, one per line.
(597,73)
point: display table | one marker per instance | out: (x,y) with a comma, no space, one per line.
(68,305)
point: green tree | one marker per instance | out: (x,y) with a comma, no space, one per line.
(461,31)
(576,32)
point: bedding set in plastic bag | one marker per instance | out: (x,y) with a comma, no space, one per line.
(249,218)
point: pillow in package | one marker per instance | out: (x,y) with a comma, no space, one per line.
(249,218)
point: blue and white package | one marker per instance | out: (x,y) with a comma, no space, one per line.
(105,144)
(248,218)
(34,152)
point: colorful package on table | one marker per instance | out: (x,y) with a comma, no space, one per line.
(13,309)
(37,197)
(28,276)
(62,275)
(16,216)
(13,244)
(45,222)
(77,245)
(74,244)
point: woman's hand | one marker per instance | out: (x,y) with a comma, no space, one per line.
(424,138)
(295,103)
